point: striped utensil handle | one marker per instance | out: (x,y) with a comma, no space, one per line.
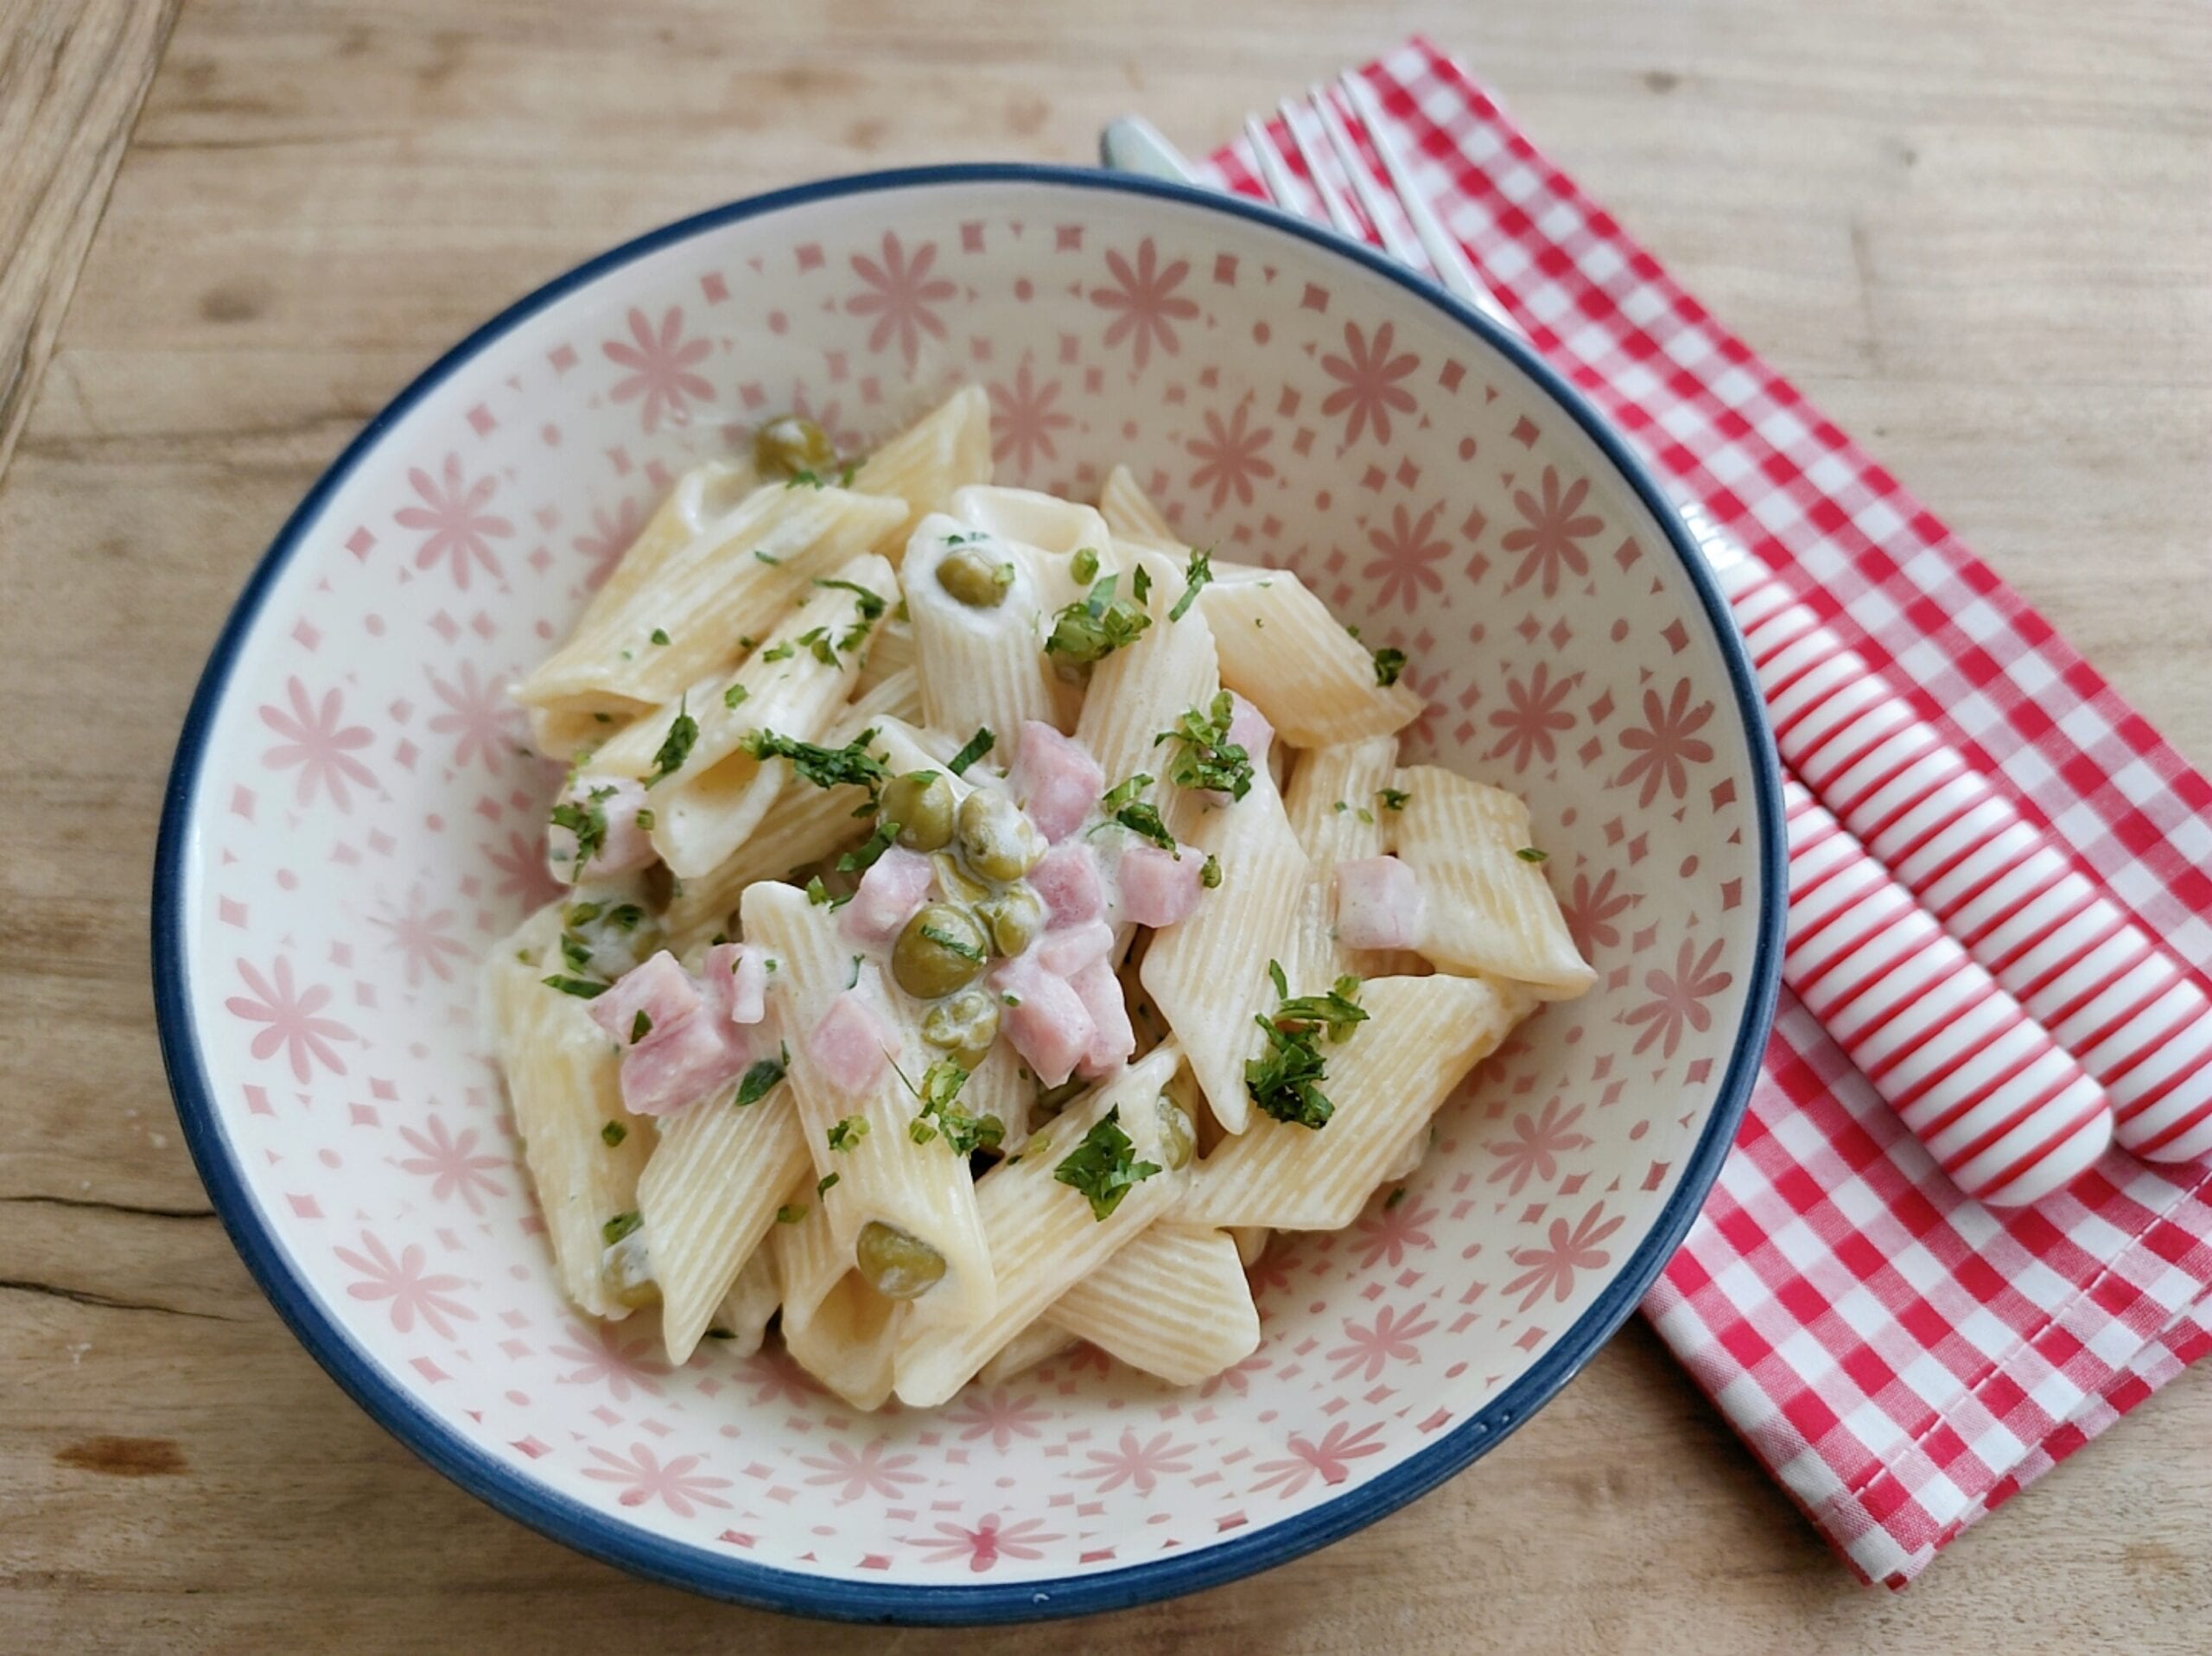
(2079,965)
(2005,1110)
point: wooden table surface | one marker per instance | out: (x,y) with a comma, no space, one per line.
(1976,231)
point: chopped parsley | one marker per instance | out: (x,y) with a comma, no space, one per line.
(1395,1197)
(1194,582)
(821,1185)
(584,989)
(1140,585)
(862,859)
(1122,792)
(1530,853)
(815,480)
(614,1132)
(976,747)
(640,1026)
(817,639)
(791,1213)
(1084,565)
(1285,1083)
(1388,664)
(660,635)
(783,652)
(1205,757)
(763,1075)
(765,557)
(644,820)
(1210,876)
(587,821)
(952,944)
(620,1225)
(735,696)
(962,540)
(1394,798)
(817,893)
(873,603)
(847,1131)
(824,767)
(940,1115)
(1093,627)
(676,746)
(1103,1167)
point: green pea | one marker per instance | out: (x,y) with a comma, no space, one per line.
(896,1265)
(1178,1140)
(940,950)
(627,1272)
(788,444)
(955,882)
(921,804)
(974,579)
(999,842)
(964,1026)
(1013,917)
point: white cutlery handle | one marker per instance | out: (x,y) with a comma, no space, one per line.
(2081,965)
(2006,1112)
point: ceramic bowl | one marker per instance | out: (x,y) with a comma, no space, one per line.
(352,821)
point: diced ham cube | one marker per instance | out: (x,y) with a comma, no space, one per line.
(617,799)
(1379,903)
(1113,1038)
(734,979)
(1048,1023)
(1157,889)
(850,1045)
(659,988)
(1066,950)
(1056,779)
(674,1068)
(1067,883)
(1248,729)
(895,885)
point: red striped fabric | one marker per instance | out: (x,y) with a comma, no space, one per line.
(1902,1359)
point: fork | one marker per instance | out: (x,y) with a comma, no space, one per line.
(2007,1112)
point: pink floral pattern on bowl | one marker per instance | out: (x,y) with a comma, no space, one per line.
(358,821)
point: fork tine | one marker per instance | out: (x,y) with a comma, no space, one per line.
(1340,211)
(1395,240)
(1275,177)
(1445,256)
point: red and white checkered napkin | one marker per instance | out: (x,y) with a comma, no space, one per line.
(1903,1360)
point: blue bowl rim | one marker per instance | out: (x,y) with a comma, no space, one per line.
(841,1598)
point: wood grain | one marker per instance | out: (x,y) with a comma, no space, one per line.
(1974,232)
(71,76)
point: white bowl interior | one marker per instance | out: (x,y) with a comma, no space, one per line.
(364,828)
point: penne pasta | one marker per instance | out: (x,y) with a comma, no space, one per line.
(1208,974)
(707,1196)
(776,683)
(981,656)
(1040,1342)
(1386,1078)
(563,1086)
(946,450)
(701,496)
(1142,689)
(1488,907)
(1281,649)
(741,1324)
(885,1183)
(717,792)
(733,580)
(1174,1303)
(1130,514)
(1335,808)
(1044,1235)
